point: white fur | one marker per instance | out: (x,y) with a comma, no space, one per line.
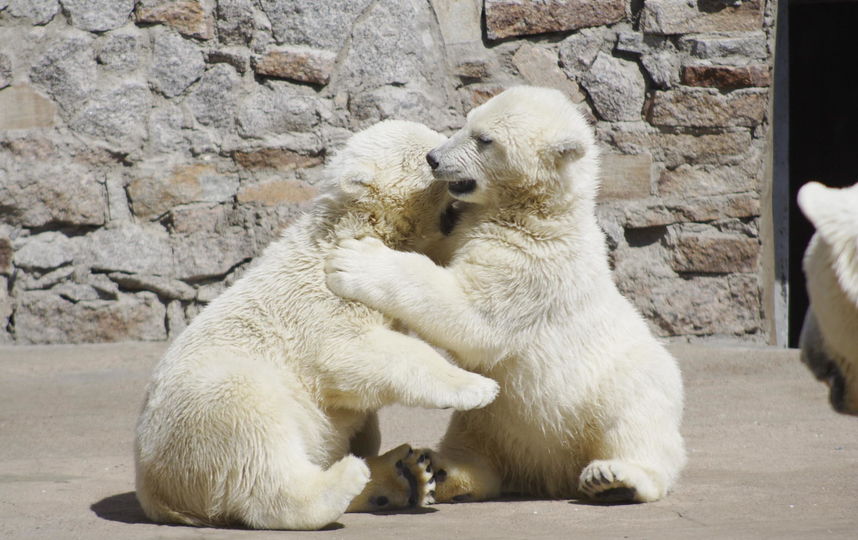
(251,414)
(830,263)
(589,399)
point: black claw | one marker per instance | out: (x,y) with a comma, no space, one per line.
(432,493)
(400,464)
(381,501)
(429,468)
(440,475)
(422,458)
(410,451)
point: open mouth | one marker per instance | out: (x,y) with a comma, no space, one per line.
(460,187)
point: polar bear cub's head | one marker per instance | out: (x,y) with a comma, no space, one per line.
(829,338)
(384,179)
(526,142)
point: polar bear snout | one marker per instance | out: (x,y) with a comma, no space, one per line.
(432,160)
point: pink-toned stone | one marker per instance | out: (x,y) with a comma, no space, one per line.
(277,192)
(275,158)
(726,77)
(708,108)
(715,253)
(505,18)
(625,177)
(298,64)
(188,17)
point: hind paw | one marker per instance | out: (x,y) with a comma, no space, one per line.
(616,482)
(401,478)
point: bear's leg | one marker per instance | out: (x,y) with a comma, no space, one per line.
(382,367)
(401,478)
(463,476)
(640,459)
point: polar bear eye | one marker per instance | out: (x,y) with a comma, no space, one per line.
(484,139)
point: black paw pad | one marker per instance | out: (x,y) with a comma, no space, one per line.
(618,494)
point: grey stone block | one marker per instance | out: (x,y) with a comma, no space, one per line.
(176,62)
(45,251)
(116,117)
(36,11)
(67,71)
(98,15)
(212,99)
(616,87)
(313,23)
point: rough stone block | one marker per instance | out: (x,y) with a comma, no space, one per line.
(625,177)
(119,51)
(176,63)
(277,108)
(276,192)
(98,15)
(213,99)
(578,51)
(748,45)
(684,16)
(117,117)
(235,21)
(67,72)
(236,57)
(45,251)
(726,77)
(44,317)
(5,255)
(675,149)
(5,71)
(714,253)
(188,17)
(153,195)
(197,218)
(661,212)
(663,67)
(616,87)
(280,159)
(702,305)
(459,21)
(711,179)
(309,22)
(303,64)
(52,193)
(23,108)
(207,255)
(539,67)
(176,322)
(505,18)
(708,108)
(160,285)
(36,11)
(128,247)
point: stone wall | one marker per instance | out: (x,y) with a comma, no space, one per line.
(150,149)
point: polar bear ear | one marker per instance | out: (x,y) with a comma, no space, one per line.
(356,180)
(832,211)
(569,148)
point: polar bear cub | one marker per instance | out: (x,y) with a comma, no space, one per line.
(590,402)
(829,337)
(253,414)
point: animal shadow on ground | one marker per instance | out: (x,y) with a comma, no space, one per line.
(125,508)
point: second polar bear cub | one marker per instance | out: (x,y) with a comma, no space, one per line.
(260,411)
(590,402)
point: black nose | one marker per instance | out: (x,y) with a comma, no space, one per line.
(432,161)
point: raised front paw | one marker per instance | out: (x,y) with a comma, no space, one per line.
(614,481)
(356,269)
(401,478)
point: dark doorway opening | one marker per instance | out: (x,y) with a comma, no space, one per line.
(823,120)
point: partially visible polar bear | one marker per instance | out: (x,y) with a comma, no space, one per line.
(829,338)
(253,413)
(590,403)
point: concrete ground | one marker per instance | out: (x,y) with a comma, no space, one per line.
(767,458)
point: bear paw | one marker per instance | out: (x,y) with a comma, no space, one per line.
(616,482)
(401,478)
